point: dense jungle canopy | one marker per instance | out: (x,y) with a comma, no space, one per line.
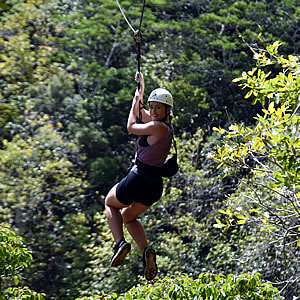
(67,70)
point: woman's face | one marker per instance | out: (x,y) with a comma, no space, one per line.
(157,111)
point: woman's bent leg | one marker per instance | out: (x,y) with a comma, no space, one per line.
(133,225)
(136,230)
(113,214)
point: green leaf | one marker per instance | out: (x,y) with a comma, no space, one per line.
(221,130)
(241,221)
(227,212)
(239,216)
(16,280)
(219,225)
(265,111)
(271,107)
(255,210)
(4,6)
(248,94)
(238,79)
(278,176)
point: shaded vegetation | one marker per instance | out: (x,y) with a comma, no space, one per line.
(66,83)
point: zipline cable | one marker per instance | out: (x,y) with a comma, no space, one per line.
(125,16)
(141,18)
(138,39)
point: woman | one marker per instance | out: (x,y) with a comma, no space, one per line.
(143,185)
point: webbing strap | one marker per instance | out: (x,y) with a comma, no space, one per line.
(174,144)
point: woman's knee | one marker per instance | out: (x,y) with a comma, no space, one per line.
(109,197)
(132,212)
(127,216)
(111,200)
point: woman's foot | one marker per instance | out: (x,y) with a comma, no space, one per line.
(120,251)
(149,261)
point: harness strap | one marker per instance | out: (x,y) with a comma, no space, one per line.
(174,144)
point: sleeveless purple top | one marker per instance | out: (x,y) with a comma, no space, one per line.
(156,154)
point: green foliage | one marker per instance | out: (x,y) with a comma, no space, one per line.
(3,5)
(206,286)
(14,255)
(220,26)
(8,113)
(14,258)
(281,88)
(22,293)
(99,275)
(265,159)
(66,84)
(26,48)
(41,190)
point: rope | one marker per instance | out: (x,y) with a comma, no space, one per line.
(141,19)
(138,40)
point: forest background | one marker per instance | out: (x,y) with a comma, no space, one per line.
(66,83)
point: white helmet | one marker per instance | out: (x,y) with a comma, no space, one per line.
(161,95)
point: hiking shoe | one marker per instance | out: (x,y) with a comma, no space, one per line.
(120,251)
(149,261)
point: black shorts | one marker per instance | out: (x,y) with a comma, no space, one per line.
(141,187)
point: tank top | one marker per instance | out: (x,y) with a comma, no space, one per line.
(155,154)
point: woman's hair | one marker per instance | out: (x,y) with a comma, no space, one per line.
(170,112)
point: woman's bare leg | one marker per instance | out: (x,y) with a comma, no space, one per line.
(128,216)
(137,232)
(133,225)
(113,214)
